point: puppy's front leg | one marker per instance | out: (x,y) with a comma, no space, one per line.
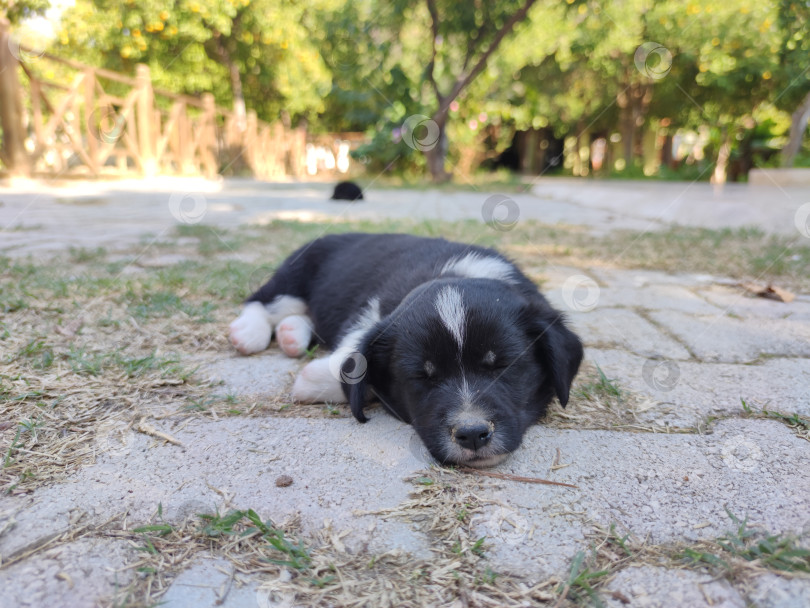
(317,384)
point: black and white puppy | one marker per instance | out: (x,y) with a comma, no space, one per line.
(450,338)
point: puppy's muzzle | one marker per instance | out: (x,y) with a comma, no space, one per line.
(474,435)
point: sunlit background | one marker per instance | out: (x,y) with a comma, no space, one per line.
(411,90)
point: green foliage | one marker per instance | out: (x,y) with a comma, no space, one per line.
(18,10)
(570,67)
(194,46)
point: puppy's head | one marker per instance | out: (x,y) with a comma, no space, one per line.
(471,364)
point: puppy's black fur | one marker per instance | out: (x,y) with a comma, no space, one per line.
(455,339)
(347,191)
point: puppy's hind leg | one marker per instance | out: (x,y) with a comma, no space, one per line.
(284,295)
(294,333)
(252,331)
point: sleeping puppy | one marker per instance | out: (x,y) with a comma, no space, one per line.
(448,337)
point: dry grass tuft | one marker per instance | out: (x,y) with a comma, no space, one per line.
(320,571)
(599,402)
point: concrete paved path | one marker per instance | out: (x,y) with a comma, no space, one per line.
(42,218)
(690,347)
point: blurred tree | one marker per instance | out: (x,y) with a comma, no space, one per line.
(462,41)
(254,52)
(726,55)
(17,10)
(793,75)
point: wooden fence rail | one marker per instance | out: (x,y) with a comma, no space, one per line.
(105,123)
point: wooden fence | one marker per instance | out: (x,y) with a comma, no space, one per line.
(104,123)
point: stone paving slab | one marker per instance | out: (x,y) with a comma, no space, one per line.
(687,392)
(71,575)
(657,297)
(735,302)
(329,461)
(670,487)
(636,278)
(643,289)
(209,582)
(771,591)
(627,330)
(729,340)
(269,373)
(650,587)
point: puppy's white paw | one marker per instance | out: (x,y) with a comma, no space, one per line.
(251,331)
(294,334)
(316,384)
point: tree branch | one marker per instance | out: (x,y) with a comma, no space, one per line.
(434,29)
(507,27)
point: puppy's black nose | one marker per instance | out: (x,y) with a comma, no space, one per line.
(473,436)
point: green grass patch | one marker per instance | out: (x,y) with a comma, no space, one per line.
(600,387)
(779,553)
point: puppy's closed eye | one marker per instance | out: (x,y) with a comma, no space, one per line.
(430,369)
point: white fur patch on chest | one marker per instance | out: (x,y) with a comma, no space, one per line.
(479,266)
(452,313)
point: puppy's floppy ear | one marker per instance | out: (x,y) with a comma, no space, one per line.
(558,349)
(375,349)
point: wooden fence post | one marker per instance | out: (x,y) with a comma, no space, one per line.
(145,116)
(12,146)
(94,119)
(208,137)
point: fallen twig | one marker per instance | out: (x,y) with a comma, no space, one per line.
(511,477)
(148,429)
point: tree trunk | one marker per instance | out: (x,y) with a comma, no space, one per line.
(435,156)
(12,147)
(238,96)
(627,127)
(217,49)
(719,175)
(798,126)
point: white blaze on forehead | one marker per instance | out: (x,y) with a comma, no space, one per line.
(452,313)
(479,266)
